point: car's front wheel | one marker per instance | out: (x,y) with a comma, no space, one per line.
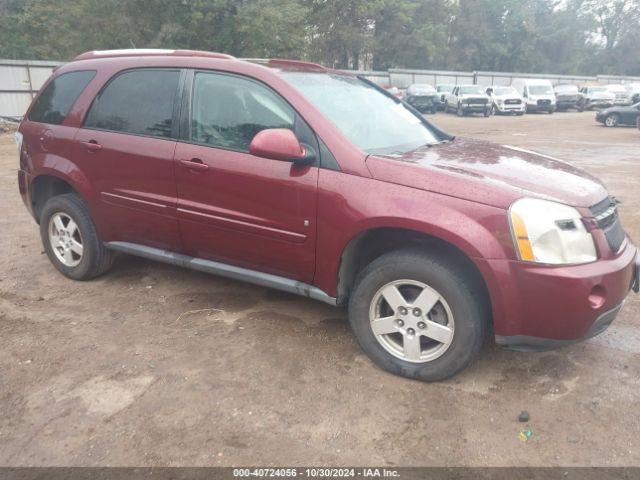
(71,240)
(612,120)
(460,111)
(417,315)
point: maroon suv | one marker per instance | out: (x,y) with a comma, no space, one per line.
(316,182)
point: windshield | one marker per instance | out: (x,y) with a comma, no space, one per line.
(374,122)
(504,91)
(540,90)
(445,88)
(596,89)
(471,90)
(567,89)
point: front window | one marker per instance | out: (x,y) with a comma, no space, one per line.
(471,90)
(540,90)
(445,88)
(375,123)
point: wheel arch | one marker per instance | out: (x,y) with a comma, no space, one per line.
(49,183)
(371,243)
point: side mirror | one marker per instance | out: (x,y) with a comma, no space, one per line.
(281,144)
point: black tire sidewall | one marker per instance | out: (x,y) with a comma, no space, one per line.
(71,205)
(468,312)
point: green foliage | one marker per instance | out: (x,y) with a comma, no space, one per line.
(559,36)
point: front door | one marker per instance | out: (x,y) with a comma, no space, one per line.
(233,207)
(126,148)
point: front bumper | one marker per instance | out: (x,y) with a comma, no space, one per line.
(478,108)
(504,108)
(543,307)
(534,107)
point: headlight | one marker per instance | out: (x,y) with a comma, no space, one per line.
(550,232)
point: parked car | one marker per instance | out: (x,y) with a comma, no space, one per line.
(596,96)
(422,97)
(537,93)
(622,96)
(272,174)
(465,99)
(568,96)
(634,92)
(616,116)
(443,89)
(505,100)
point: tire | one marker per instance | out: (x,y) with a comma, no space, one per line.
(463,299)
(433,110)
(445,109)
(612,120)
(551,110)
(487,112)
(494,110)
(94,258)
(460,111)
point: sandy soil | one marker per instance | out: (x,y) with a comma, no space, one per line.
(155,365)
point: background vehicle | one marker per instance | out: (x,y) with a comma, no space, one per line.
(537,93)
(465,99)
(273,175)
(505,100)
(568,96)
(596,96)
(443,90)
(422,97)
(634,91)
(622,96)
(616,116)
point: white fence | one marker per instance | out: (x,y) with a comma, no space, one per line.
(21,79)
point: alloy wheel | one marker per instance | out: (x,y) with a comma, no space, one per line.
(411,321)
(65,239)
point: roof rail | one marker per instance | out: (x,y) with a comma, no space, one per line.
(149,52)
(275,62)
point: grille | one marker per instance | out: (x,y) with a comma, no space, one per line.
(515,101)
(606,215)
(544,102)
(480,101)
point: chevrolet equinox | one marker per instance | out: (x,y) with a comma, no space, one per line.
(318,182)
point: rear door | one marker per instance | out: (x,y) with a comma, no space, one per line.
(233,207)
(126,148)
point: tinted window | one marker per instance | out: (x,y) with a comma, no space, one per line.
(228,111)
(56,100)
(138,102)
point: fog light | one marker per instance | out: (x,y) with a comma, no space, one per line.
(597,296)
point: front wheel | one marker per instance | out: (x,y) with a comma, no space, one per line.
(71,240)
(612,120)
(460,111)
(417,315)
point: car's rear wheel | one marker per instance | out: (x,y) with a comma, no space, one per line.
(612,120)
(417,315)
(71,240)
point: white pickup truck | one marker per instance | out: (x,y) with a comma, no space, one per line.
(468,99)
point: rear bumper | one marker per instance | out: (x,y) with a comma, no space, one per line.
(541,307)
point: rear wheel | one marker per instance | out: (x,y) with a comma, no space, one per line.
(417,315)
(71,240)
(612,120)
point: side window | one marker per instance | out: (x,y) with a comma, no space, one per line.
(228,111)
(56,100)
(138,102)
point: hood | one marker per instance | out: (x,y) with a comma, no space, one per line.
(509,96)
(603,95)
(488,173)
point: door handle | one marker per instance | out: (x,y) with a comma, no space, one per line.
(92,146)
(194,164)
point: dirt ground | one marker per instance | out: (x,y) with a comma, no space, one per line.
(130,369)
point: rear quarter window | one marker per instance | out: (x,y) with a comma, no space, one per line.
(54,103)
